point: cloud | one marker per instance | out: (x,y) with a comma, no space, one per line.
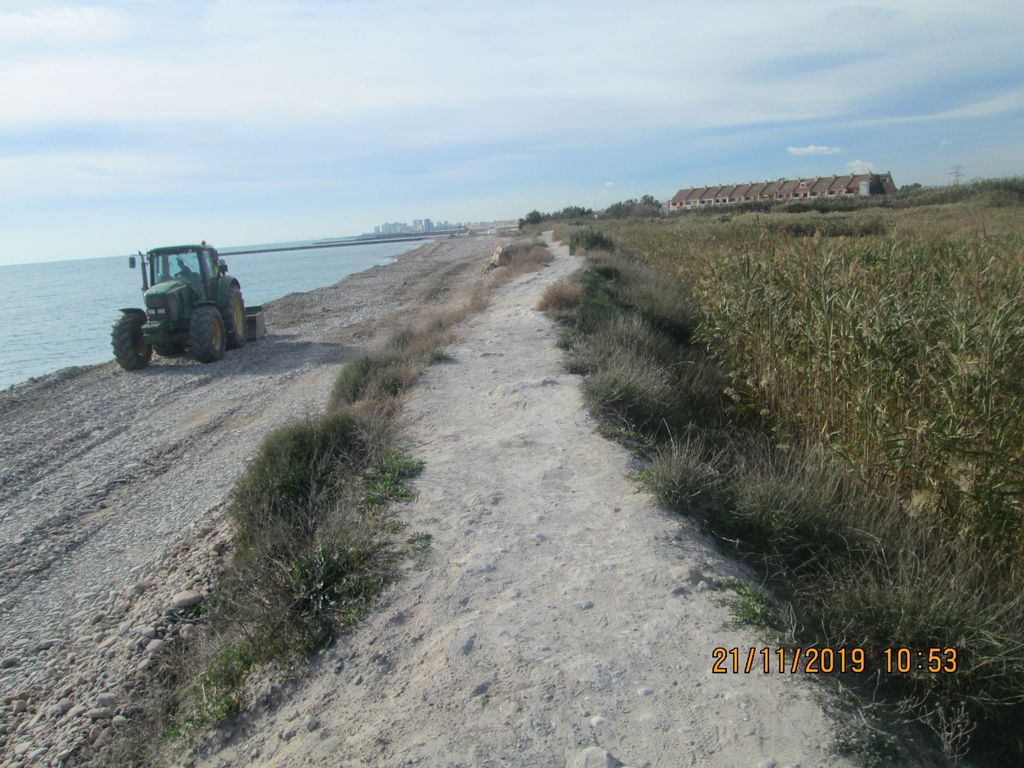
(61,24)
(813,149)
(860,166)
(609,183)
(945,142)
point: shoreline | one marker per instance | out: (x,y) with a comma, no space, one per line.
(69,371)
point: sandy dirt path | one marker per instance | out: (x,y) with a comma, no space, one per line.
(561,619)
(112,487)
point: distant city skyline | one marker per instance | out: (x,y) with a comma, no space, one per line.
(127,125)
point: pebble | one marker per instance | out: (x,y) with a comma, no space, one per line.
(312,724)
(19,706)
(9,662)
(76,711)
(598,722)
(154,646)
(288,734)
(100,713)
(186,599)
(106,700)
(61,708)
(22,748)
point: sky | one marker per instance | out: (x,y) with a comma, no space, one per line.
(128,125)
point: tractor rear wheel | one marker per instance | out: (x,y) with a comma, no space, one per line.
(130,348)
(206,334)
(234,318)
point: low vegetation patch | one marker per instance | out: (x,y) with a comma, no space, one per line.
(519,258)
(560,297)
(838,399)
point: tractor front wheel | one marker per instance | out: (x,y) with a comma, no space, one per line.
(234,318)
(206,334)
(130,348)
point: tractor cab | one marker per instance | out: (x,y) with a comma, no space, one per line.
(194,265)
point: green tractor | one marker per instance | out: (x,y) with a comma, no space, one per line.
(190,303)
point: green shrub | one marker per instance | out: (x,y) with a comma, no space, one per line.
(295,468)
(590,240)
(685,475)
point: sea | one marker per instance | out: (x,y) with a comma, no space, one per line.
(58,314)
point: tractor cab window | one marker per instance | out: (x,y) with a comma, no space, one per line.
(179,266)
(160,268)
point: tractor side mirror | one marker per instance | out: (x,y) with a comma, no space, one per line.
(223,267)
(131,262)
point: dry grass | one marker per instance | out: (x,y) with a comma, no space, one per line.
(560,297)
(519,258)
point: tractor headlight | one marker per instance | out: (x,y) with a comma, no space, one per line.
(160,307)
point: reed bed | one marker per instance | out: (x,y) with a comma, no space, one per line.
(839,397)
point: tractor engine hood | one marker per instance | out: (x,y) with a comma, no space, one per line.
(168,288)
(167,300)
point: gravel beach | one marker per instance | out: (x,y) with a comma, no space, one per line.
(112,488)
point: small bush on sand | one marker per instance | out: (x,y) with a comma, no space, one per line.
(520,258)
(560,297)
(590,240)
(296,465)
(684,474)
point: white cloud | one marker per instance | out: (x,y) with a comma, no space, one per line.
(860,166)
(945,142)
(813,149)
(60,24)
(609,183)
(92,175)
(405,64)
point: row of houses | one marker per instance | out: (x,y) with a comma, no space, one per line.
(850,185)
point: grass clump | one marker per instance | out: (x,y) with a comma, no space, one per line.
(560,297)
(754,608)
(590,240)
(684,475)
(519,258)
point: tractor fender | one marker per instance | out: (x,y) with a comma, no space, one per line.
(206,303)
(134,311)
